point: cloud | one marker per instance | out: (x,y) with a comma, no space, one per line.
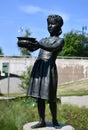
(30,9)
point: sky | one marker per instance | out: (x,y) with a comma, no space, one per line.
(16,15)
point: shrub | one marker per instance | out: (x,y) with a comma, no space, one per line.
(25,78)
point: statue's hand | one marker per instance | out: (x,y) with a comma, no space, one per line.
(26,42)
(22,44)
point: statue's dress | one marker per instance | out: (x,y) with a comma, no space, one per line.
(43,78)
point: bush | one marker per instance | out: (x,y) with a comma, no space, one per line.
(1,93)
(25,78)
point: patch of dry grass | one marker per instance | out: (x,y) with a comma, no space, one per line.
(74,88)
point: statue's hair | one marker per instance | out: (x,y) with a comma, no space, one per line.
(57,18)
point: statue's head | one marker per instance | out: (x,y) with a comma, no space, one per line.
(55,22)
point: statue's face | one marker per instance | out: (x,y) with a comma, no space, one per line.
(53,27)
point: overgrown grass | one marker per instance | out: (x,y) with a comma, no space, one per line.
(15,113)
(78,88)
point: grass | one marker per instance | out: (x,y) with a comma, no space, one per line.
(78,88)
(15,95)
(15,113)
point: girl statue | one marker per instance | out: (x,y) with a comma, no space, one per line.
(43,78)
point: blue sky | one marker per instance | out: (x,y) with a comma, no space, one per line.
(32,15)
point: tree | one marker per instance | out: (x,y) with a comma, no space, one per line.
(76,44)
(24,51)
(1,52)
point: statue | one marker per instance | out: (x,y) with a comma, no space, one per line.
(43,79)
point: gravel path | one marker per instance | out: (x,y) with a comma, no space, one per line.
(79,101)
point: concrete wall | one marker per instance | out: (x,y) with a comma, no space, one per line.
(72,69)
(16,68)
(68,69)
(16,64)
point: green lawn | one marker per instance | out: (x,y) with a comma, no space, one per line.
(15,113)
(73,88)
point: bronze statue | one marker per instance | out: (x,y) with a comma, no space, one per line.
(43,79)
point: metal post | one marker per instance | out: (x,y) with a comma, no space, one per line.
(8,79)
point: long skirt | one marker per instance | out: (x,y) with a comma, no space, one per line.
(43,80)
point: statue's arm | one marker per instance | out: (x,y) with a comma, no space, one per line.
(28,45)
(57,46)
(32,46)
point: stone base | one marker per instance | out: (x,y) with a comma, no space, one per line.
(48,126)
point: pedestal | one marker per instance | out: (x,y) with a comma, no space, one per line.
(48,126)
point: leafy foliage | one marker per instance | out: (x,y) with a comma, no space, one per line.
(24,51)
(75,45)
(1,52)
(25,78)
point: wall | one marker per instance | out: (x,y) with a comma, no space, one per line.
(72,69)
(16,64)
(68,70)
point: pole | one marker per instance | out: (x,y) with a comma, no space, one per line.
(8,79)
